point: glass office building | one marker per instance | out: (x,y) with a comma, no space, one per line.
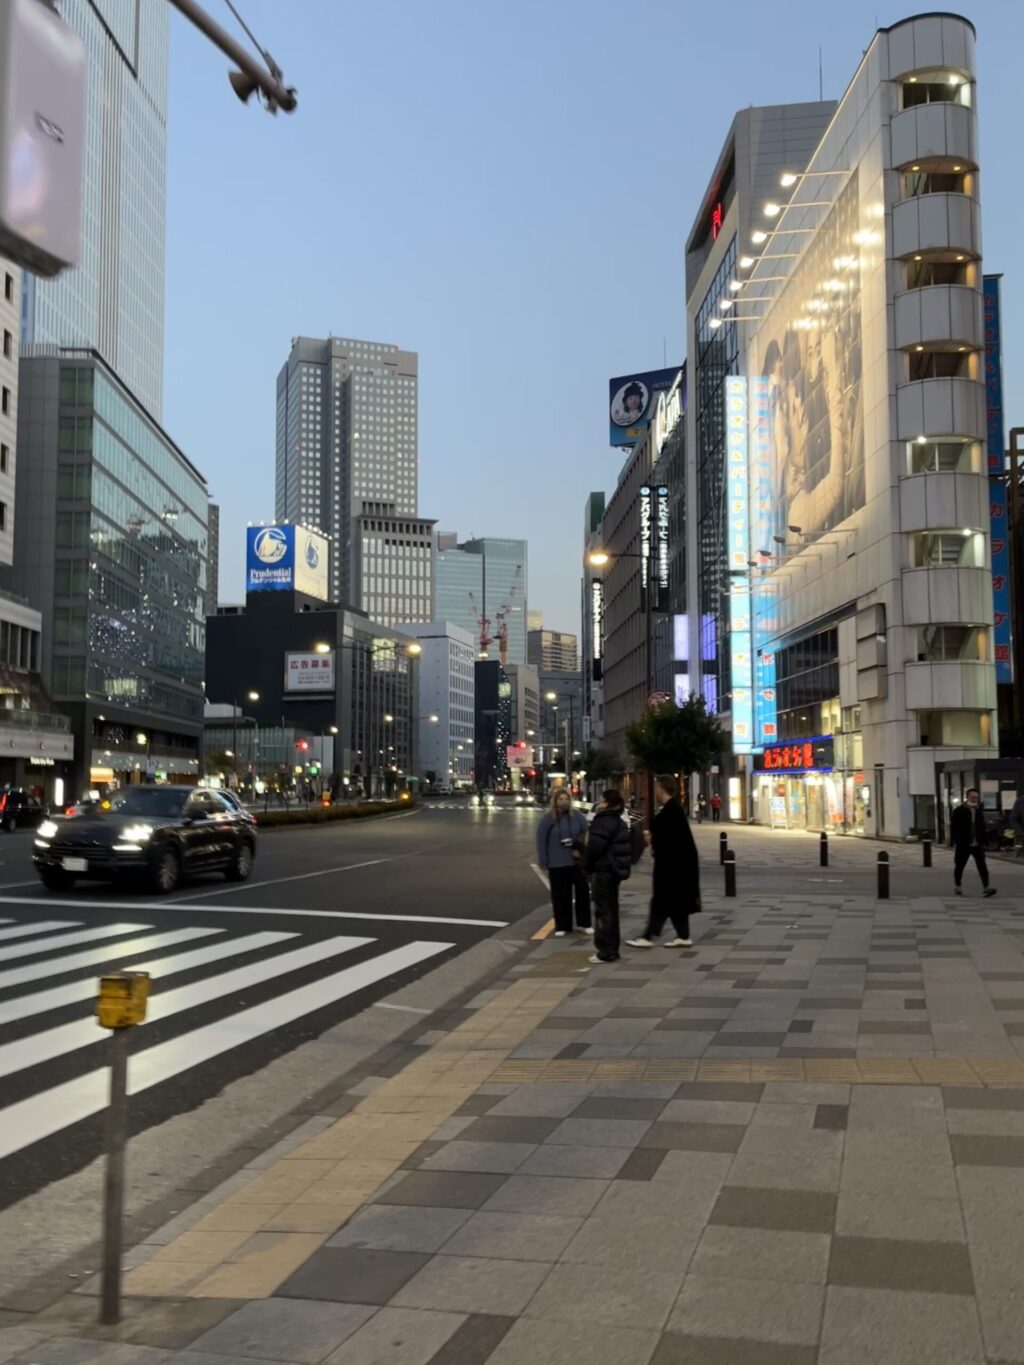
(114,300)
(114,554)
(480,585)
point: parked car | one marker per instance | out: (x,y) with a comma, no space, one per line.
(158,833)
(19,808)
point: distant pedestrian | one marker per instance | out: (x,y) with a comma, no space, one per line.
(608,858)
(1017,825)
(675,891)
(967,828)
(702,808)
(716,808)
(560,838)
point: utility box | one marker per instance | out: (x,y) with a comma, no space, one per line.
(42,137)
(122,999)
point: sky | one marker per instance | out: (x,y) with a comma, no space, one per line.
(506,189)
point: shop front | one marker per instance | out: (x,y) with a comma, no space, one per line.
(796,786)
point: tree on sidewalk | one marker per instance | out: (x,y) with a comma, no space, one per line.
(676,739)
(601,765)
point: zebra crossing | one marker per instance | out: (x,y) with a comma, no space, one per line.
(216,986)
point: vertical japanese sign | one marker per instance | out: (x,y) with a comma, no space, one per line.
(596,626)
(737,422)
(646,540)
(764,626)
(995,447)
(661,549)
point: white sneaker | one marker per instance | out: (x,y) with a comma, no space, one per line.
(640,942)
(589,930)
(679,943)
(559,933)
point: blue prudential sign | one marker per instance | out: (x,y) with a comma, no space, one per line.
(270,559)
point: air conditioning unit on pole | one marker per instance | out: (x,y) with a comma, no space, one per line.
(42,137)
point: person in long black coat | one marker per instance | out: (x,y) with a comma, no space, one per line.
(676,881)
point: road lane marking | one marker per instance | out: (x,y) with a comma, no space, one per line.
(39,1116)
(55,966)
(67,940)
(545,931)
(85,989)
(271,910)
(278,881)
(37,927)
(405,1009)
(37,1048)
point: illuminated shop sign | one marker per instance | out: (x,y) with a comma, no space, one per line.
(596,627)
(799,756)
(654,544)
(716,221)
(738,523)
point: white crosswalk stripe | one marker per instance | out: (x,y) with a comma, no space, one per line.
(39,927)
(43,1101)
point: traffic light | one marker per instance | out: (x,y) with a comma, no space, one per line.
(302,745)
(314,769)
(521,744)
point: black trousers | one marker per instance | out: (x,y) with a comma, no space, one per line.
(716,814)
(666,905)
(962,856)
(606,916)
(567,882)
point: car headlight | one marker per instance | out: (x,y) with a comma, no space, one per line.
(47,830)
(136,834)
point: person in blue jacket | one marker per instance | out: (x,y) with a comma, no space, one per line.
(561,835)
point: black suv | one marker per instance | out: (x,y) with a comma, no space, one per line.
(19,808)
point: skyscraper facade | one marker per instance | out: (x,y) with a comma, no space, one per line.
(114,301)
(547,649)
(480,585)
(347,460)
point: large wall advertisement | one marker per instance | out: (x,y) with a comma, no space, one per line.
(285,559)
(809,351)
(633,401)
(738,521)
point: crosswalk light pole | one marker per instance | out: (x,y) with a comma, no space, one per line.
(121,1004)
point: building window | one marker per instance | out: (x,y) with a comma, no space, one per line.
(927,456)
(936,87)
(922,273)
(5,402)
(933,182)
(8,344)
(955,727)
(947,549)
(9,287)
(5,458)
(952,643)
(937,364)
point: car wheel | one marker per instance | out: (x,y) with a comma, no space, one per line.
(240,866)
(56,880)
(166,871)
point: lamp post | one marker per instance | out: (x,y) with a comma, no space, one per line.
(143,738)
(600,559)
(249,696)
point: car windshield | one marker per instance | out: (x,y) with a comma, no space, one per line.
(154,801)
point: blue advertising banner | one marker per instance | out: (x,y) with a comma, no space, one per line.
(738,523)
(270,558)
(764,590)
(632,401)
(995,448)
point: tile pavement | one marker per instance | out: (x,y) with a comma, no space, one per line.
(800,1142)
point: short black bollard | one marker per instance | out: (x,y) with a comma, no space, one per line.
(926,852)
(723,846)
(729,863)
(883,876)
(823,849)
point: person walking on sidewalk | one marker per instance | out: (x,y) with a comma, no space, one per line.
(702,808)
(675,891)
(560,838)
(969,835)
(716,808)
(608,858)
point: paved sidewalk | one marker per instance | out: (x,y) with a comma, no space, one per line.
(801,1141)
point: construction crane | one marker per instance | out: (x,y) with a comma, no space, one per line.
(501,615)
(483,625)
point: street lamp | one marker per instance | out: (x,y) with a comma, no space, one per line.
(251,695)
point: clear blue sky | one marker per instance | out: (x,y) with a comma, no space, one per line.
(507,190)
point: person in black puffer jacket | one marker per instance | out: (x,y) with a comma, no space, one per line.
(608,859)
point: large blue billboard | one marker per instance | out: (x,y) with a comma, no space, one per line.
(287,558)
(995,461)
(632,402)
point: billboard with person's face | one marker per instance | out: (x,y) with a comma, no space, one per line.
(808,359)
(632,401)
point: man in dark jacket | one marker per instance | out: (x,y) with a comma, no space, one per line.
(675,891)
(969,835)
(608,859)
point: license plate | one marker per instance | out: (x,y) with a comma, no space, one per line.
(75,864)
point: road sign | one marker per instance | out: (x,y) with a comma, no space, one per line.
(658,698)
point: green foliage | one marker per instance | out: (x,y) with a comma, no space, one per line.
(602,765)
(676,739)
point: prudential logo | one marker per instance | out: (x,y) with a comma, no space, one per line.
(271,545)
(312,555)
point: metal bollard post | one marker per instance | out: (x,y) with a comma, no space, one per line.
(823,849)
(723,846)
(121,1003)
(926,852)
(883,876)
(729,863)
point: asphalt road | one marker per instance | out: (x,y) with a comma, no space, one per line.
(332,920)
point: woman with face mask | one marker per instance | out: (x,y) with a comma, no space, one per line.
(560,838)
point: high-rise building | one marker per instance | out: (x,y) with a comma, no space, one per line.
(445,702)
(480,585)
(553,649)
(114,300)
(347,463)
(112,551)
(213,560)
